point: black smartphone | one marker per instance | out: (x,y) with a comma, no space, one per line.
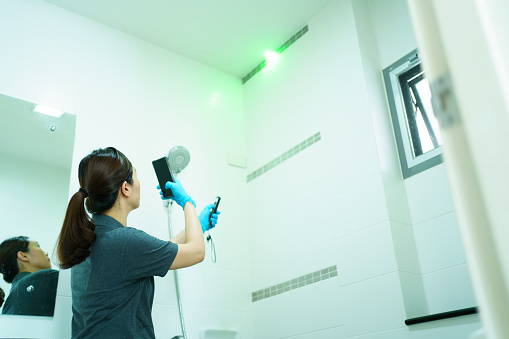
(163,173)
(214,209)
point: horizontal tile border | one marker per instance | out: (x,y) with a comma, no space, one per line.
(284,156)
(303,280)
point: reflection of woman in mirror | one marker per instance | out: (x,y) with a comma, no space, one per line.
(34,284)
(113,266)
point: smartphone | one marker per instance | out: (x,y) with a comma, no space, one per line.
(163,173)
(214,209)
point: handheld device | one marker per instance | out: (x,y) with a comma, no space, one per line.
(163,173)
(214,209)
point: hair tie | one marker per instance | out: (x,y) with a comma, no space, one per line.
(84,191)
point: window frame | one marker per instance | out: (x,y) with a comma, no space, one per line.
(409,165)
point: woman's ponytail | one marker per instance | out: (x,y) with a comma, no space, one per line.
(77,234)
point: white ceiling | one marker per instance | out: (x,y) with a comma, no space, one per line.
(230,35)
(27,135)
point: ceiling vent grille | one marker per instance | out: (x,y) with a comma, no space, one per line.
(280,50)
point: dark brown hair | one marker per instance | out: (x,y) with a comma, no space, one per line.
(101,174)
(9,256)
(2,297)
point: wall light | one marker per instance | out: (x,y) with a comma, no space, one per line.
(48,111)
(271,58)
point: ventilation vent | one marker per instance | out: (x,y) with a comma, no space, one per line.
(280,50)
(303,280)
(285,156)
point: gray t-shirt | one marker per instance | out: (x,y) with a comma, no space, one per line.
(113,289)
(32,293)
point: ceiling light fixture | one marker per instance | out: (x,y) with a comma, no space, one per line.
(48,111)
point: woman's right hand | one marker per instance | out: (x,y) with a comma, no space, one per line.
(179,195)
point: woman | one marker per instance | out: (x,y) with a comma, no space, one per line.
(113,266)
(34,284)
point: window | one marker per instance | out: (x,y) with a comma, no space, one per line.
(416,128)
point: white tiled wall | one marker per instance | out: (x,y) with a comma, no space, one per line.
(62,319)
(373,305)
(298,254)
(351,206)
(425,198)
(393,29)
(449,289)
(401,333)
(217,319)
(366,215)
(414,297)
(429,195)
(330,333)
(338,213)
(343,172)
(396,202)
(10,326)
(298,311)
(404,247)
(365,254)
(461,327)
(439,243)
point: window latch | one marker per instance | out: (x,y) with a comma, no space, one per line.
(444,102)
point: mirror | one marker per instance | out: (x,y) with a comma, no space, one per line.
(35,166)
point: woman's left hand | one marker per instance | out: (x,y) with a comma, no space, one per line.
(207,220)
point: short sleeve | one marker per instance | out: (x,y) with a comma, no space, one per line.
(144,255)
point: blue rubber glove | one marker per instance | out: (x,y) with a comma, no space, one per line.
(179,194)
(207,220)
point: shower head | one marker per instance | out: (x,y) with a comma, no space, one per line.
(178,159)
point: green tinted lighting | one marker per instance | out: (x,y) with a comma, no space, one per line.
(271,58)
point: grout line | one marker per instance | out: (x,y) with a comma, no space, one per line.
(445,268)
(364,228)
(205,308)
(316,331)
(255,251)
(355,184)
(413,273)
(370,278)
(214,268)
(378,332)
(434,217)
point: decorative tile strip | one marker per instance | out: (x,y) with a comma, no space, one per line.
(303,280)
(285,156)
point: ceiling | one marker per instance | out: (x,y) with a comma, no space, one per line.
(27,135)
(230,35)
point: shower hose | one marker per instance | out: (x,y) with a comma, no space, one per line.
(169,210)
